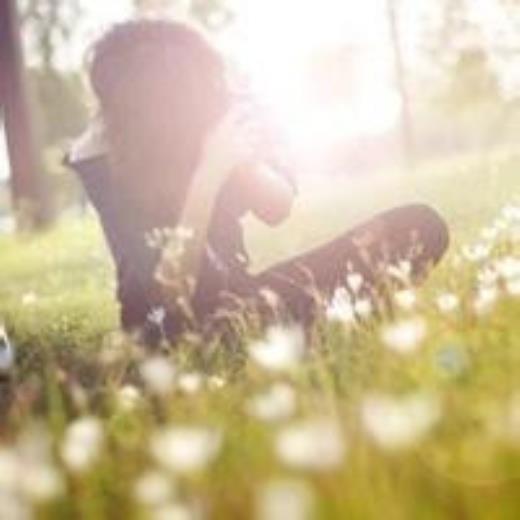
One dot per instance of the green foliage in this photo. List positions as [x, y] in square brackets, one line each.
[60, 104]
[472, 85]
[51, 24]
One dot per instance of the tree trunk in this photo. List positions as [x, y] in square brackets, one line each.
[29, 197]
[407, 130]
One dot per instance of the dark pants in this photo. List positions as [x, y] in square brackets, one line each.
[414, 233]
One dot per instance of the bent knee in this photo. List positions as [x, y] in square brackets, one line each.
[431, 228]
[425, 224]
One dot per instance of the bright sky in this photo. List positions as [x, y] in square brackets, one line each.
[273, 38]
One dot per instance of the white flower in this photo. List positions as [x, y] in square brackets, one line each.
[340, 308]
[153, 488]
[7, 356]
[82, 444]
[315, 444]
[476, 253]
[216, 382]
[405, 299]
[285, 500]
[157, 315]
[485, 299]
[277, 404]
[447, 302]
[185, 449]
[282, 349]
[501, 224]
[29, 298]
[405, 337]
[513, 287]
[363, 308]
[402, 271]
[41, 482]
[174, 511]
[395, 423]
[511, 213]
[355, 282]
[128, 398]
[158, 374]
[508, 268]
[190, 382]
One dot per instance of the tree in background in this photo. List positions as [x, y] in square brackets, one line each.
[59, 94]
[407, 125]
[29, 196]
[213, 14]
[459, 86]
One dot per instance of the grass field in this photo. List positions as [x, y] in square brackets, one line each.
[414, 417]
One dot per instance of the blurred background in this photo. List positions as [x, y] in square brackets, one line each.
[359, 87]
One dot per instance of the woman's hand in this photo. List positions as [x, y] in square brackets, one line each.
[231, 144]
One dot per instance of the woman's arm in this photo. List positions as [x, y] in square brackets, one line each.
[267, 194]
[227, 148]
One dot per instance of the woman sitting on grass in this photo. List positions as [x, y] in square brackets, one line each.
[175, 151]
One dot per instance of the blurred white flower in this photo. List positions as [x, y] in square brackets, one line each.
[276, 404]
[41, 482]
[285, 500]
[511, 213]
[508, 268]
[154, 488]
[501, 224]
[363, 308]
[395, 423]
[490, 234]
[174, 511]
[158, 374]
[128, 398]
[485, 299]
[7, 355]
[82, 443]
[29, 298]
[340, 307]
[270, 297]
[190, 382]
[487, 277]
[313, 444]
[157, 315]
[355, 282]
[216, 382]
[405, 336]
[405, 299]
[476, 253]
[448, 302]
[513, 287]
[400, 271]
[282, 349]
[185, 449]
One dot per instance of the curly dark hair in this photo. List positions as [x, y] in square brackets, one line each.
[161, 86]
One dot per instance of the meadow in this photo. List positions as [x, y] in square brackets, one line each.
[413, 416]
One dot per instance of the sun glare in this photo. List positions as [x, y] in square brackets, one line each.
[322, 65]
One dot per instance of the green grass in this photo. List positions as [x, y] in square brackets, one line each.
[57, 305]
